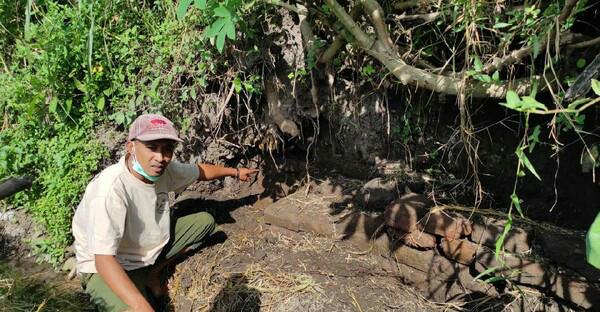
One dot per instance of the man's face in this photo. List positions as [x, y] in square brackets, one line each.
[153, 156]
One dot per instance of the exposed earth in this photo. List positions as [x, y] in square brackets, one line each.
[252, 266]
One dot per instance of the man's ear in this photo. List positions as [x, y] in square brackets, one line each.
[129, 146]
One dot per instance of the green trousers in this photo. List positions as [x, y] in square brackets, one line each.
[188, 232]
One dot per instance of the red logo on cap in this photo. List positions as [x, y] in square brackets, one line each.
[158, 122]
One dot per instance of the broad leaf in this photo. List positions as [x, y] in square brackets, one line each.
[229, 29]
[222, 11]
[512, 99]
[182, 8]
[220, 41]
[53, 105]
[528, 103]
[596, 86]
[100, 103]
[215, 28]
[200, 4]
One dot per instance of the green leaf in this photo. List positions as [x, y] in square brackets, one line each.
[53, 105]
[200, 4]
[536, 47]
[502, 25]
[525, 161]
[119, 118]
[222, 11]
[500, 241]
[68, 105]
[215, 28]
[580, 63]
[100, 103]
[80, 86]
[577, 103]
[496, 76]
[494, 279]
[528, 102]
[237, 84]
[517, 203]
[512, 99]
[220, 41]
[534, 138]
[487, 271]
[596, 86]
[477, 63]
[229, 29]
[182, 8]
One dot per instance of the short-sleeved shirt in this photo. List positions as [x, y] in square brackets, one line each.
[123, 216]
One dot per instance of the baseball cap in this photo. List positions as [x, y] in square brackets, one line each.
[150, 127]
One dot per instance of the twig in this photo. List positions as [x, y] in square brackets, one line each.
[584, 44]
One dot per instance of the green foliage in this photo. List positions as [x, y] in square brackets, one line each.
[523, 104]
[84, 66]
[224, 16]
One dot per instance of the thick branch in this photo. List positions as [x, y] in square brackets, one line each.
[339, 40]
[361, 37]
[410, 75]
[377, 16]
[517, 55]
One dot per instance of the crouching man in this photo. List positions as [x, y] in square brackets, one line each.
[122, 227]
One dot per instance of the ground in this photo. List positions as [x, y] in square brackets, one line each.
[258, 267]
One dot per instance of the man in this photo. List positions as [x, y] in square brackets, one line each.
[122, 226]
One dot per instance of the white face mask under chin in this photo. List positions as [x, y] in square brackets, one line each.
[137, 167]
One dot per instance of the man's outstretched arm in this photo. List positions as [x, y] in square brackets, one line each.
[115, 277]
[210, 172]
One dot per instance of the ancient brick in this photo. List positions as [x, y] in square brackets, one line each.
[461, 251]
[416, 239]
[378, 193]
[405, 213]
[489, 230]
[319, 224]
[284, 214]
[450, 226]
[420, 260]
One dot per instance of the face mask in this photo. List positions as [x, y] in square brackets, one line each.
[138, 168]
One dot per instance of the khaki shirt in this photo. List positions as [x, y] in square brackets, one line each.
[123, 216]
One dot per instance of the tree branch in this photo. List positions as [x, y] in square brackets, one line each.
[584, 44]
[517, 55]
[361, 37]
[376, 14]
[426, 18]
[410, 75]
[339, 40]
